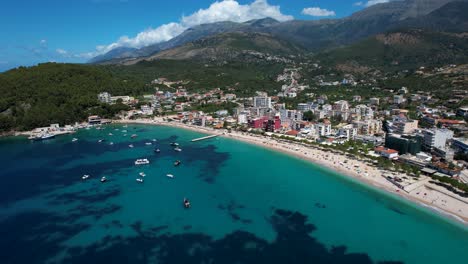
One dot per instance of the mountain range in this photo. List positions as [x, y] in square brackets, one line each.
[227, 39]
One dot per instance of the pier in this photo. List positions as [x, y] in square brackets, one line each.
[203, 138]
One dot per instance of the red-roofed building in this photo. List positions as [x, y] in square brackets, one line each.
[292, 133]
[386, 152]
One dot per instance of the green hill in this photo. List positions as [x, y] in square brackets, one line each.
[57, 93]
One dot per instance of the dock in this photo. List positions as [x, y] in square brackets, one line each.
[203, 138]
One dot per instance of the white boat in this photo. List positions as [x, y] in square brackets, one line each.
[124, 131]
[174, 144]
[125, 126]
[43, 137]
[101, 140]
[142, 174]
[103, 179]
[139, 180]
[130, 146]
[178, 149]
[110, 134]
[170, 175]
[112, 143]
[86, 176]
[148, 143]
[141, 161]
[134, 136]
[125, 135]
[74, 139]
[154, 140]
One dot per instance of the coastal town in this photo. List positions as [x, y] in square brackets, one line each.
[402, 142]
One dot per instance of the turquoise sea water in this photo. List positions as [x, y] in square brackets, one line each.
[249, 205]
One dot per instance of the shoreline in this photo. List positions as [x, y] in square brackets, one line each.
[354, 170]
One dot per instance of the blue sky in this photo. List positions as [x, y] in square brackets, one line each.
[35, 31]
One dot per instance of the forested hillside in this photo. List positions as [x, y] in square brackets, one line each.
[58, 93]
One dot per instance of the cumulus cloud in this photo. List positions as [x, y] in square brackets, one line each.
[225, 10]
[360, 3]
[317, 12]
[61, 52]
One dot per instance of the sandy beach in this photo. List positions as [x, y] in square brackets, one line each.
[420, 191]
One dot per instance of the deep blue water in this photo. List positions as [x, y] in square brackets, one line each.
[249, 205]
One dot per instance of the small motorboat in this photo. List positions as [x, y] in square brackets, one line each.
[157, 150]
[103, 179]
[141, 161]
[101, 140]
[142, 174]
[139, 180]
[125, 126]
[174, 144]
[86, 176]
[170, 175]
[112, 143]
[178, 149]
[110, 134]
[186, 203]
[125, 135]
[134, 136]
[124, 131]
[74, 139]
[154, 140]
[177, 163]
[130, 146]
[148, 143]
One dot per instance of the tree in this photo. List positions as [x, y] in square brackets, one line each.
[309, 116]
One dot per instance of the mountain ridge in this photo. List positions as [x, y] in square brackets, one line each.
[316, 35]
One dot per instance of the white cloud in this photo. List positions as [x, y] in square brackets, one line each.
[374, 2]
[360, 3]
[317, 12]
[62, 52]
[43, 42]
[225, 10]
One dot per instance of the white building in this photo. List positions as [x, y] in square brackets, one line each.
[398, 99]
[323, 129]
[374, 101]
[105, 97]
[262, 102]
[303, 107]
[290, 114]
[436, 138]
[146, 110]
[242, 119]
[341, 106]
[349, 132]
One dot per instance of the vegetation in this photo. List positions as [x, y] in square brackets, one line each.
[59, 93]
[451, 183]
[246, 78]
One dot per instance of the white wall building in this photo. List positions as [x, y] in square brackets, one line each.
[105, 97]
[436, 138]
[262, 101]
[323, 129]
